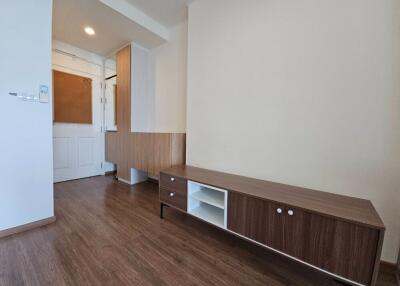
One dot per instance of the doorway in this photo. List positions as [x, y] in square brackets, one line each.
[78, 138]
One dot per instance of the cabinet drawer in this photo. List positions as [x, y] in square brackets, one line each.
[175, 198]
[173, 183]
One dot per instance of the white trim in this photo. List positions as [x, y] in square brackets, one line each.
[73, 56]
[63, 68]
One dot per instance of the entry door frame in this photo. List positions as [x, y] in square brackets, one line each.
[76, 139]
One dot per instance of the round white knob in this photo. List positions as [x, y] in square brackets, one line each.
[279, 210]
[171, 194]
[290, 212]
[172, 179]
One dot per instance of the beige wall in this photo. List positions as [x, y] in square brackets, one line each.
[159, 85]
[302, 92]
[170, 82]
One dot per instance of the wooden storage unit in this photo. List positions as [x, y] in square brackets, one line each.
[149, 152]
[339, 235]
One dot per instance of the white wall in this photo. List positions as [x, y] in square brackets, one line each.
[159, 85]
[302, 92]
[26, 175]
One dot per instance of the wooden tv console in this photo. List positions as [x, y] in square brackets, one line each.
[339, 235]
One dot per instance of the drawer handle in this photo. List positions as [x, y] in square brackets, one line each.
[172, 179]
[290, 212]
[279, 210]
[171, 194]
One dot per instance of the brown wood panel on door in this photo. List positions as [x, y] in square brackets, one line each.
[72, 98]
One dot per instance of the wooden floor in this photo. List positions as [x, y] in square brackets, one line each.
[107, 233]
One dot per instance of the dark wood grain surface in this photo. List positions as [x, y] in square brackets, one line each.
[256, 219]
[173, 183]
[345, 208]
[339, 247]
[175, 198]
[108, 233]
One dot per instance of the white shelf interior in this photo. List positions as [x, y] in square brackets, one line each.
[211, 197]
[208, 203]
[210, 214]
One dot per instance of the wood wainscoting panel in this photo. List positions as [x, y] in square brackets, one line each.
[178, 149]
[140, 147]
[153, 152]
[160, 155]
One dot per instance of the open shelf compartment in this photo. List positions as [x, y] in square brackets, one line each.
[208, 203]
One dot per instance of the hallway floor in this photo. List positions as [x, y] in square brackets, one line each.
[108, 233]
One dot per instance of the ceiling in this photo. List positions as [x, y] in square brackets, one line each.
[167, 12]
[113, 29]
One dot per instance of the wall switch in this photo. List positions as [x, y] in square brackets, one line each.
[44, 94]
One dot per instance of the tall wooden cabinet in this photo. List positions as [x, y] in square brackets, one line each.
[339, 235]
[148, 152]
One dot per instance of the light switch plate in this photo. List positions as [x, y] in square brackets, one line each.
[44, 94]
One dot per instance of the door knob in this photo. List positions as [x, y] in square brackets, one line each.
[171, 194]
[290, 212]
[172, 179]
[279, 210]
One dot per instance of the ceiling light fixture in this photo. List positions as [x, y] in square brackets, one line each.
[90, 31]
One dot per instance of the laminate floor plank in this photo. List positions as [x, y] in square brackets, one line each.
[108, 233]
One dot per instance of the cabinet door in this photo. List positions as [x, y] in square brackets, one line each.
[256, 219]
[342, 248]
[296, 229]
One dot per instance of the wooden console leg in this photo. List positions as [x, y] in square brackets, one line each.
[161, 210]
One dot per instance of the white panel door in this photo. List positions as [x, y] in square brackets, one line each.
[79, 148]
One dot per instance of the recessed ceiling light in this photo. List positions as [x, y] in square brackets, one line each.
[90, 31]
